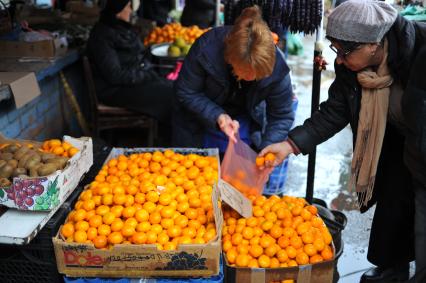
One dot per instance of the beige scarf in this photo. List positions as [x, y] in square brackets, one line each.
[371, 127]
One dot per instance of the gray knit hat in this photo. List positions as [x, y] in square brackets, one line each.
[363, 21]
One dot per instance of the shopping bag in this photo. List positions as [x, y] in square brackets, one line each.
[239, 169]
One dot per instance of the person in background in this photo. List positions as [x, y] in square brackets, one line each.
[380, 91]
[199, 12]
[232, 76]
[123, 77]
[155, 10]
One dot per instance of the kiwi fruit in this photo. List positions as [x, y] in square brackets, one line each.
[25, 158]
[6, 156]
[19, 171]
[6, 171]
[33, 171]
[13, 163]
[20, 152]
[47, 156]
[12, 148]
[34, 159]
[59, 161]
[45, 169]
[31, 163]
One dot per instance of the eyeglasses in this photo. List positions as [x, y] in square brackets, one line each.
[341, 53]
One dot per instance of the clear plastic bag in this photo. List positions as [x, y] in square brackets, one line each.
[239, 169]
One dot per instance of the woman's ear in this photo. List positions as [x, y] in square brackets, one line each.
[372, 48]
[376, 46]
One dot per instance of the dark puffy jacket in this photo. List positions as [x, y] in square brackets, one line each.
[203, 86]
[414, 110]
[117, 56]
[198, 12]
[343, 104]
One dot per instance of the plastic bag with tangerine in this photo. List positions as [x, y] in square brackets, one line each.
[239, 169]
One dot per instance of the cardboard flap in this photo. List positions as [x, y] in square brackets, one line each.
[24, 86]
[218, 216]
[235, 199]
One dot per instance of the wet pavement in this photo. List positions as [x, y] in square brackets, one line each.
[332, 167]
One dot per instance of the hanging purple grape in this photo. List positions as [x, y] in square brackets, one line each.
[297, 15]
[286, 13]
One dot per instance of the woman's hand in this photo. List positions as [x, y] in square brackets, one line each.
[280, 150]
[228, 126]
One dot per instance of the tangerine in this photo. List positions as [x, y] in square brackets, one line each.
[67, 230]
[264, 261]
[100, 241]
[115, 238]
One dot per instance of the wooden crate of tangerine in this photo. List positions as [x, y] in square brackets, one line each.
[284, 240]
[149, 212]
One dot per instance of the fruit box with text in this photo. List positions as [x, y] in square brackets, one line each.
[318, 272]
[130, 260]
[321, 271]
[48, 192]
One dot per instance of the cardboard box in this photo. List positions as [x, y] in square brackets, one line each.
[43, 48]
[319, 272]
[24, 86]
[51, 191]
[77, 260]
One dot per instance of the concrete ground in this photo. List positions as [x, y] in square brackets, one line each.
[332, 167]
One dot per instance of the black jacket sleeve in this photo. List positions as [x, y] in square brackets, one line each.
[331, 118]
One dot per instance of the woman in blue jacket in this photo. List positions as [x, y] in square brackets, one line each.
[232, 76]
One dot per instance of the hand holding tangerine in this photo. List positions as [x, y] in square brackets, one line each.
[260, 161]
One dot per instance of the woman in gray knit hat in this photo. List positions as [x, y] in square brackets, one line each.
[380, 90]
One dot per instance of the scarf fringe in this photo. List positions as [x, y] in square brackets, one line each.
[365, 193]
[358, 162]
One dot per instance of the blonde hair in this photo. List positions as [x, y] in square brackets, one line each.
[250, 43]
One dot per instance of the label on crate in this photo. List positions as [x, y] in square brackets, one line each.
[235, 199]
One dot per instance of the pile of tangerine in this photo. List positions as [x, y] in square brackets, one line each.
[283, 232]
[161, 198]
[169, 32]
[59, 148]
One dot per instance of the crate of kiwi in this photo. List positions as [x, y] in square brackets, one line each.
[39, 176]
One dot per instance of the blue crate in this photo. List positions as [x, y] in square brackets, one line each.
[214, 279]
[276, 182]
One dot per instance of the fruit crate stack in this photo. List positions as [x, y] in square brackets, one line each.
[35, 261]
